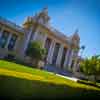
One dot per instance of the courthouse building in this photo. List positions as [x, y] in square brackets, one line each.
[62, 51]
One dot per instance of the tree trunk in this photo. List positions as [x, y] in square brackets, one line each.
[36, 63]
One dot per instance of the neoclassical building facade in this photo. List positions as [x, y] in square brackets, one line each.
[62, 51]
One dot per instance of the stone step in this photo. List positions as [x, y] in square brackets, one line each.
[56, 70]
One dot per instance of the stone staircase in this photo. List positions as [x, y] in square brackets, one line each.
[56, 70]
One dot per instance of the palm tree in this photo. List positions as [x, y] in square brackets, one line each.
[91, 66]
[95, 60]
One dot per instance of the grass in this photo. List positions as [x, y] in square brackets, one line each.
[87, 82]
[22, 82]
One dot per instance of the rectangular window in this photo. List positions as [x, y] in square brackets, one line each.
[55, 54]
[0, 29]
[63, 57]
[3, 39]
[12, 42]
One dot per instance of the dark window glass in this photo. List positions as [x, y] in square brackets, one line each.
[0, 28]
[55, 54]
[72, 64]
[12, 42]
[63, 57]
[3, 39]
[47, 44]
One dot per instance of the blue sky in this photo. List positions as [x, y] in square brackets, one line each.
[66, 16]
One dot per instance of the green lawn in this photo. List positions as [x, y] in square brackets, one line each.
[22, 82]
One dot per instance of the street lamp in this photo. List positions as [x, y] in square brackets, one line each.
[82, 47]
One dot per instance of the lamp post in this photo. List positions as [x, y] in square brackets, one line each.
[82, 47]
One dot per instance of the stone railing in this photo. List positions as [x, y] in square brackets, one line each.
[57, 32]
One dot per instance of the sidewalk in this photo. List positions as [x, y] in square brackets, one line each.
[70, 78]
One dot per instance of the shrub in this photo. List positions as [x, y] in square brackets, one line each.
[36, 51]
[91, 66]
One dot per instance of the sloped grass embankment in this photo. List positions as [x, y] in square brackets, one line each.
[21, 82]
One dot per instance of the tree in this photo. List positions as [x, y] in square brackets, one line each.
[36, 52]
[85, 66]
[95, 61]
[91, 66]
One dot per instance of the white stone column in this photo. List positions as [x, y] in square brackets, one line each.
[70, 60]
[51, 51]
[27, 39]
[59, 57]
[8, 40]
[17, 43]
[35, 35]
[44, 39]
[66, 58]
[75, 67]
[75, 64]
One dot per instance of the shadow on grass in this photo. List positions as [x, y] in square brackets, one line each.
[89, 83]
[12, 88]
